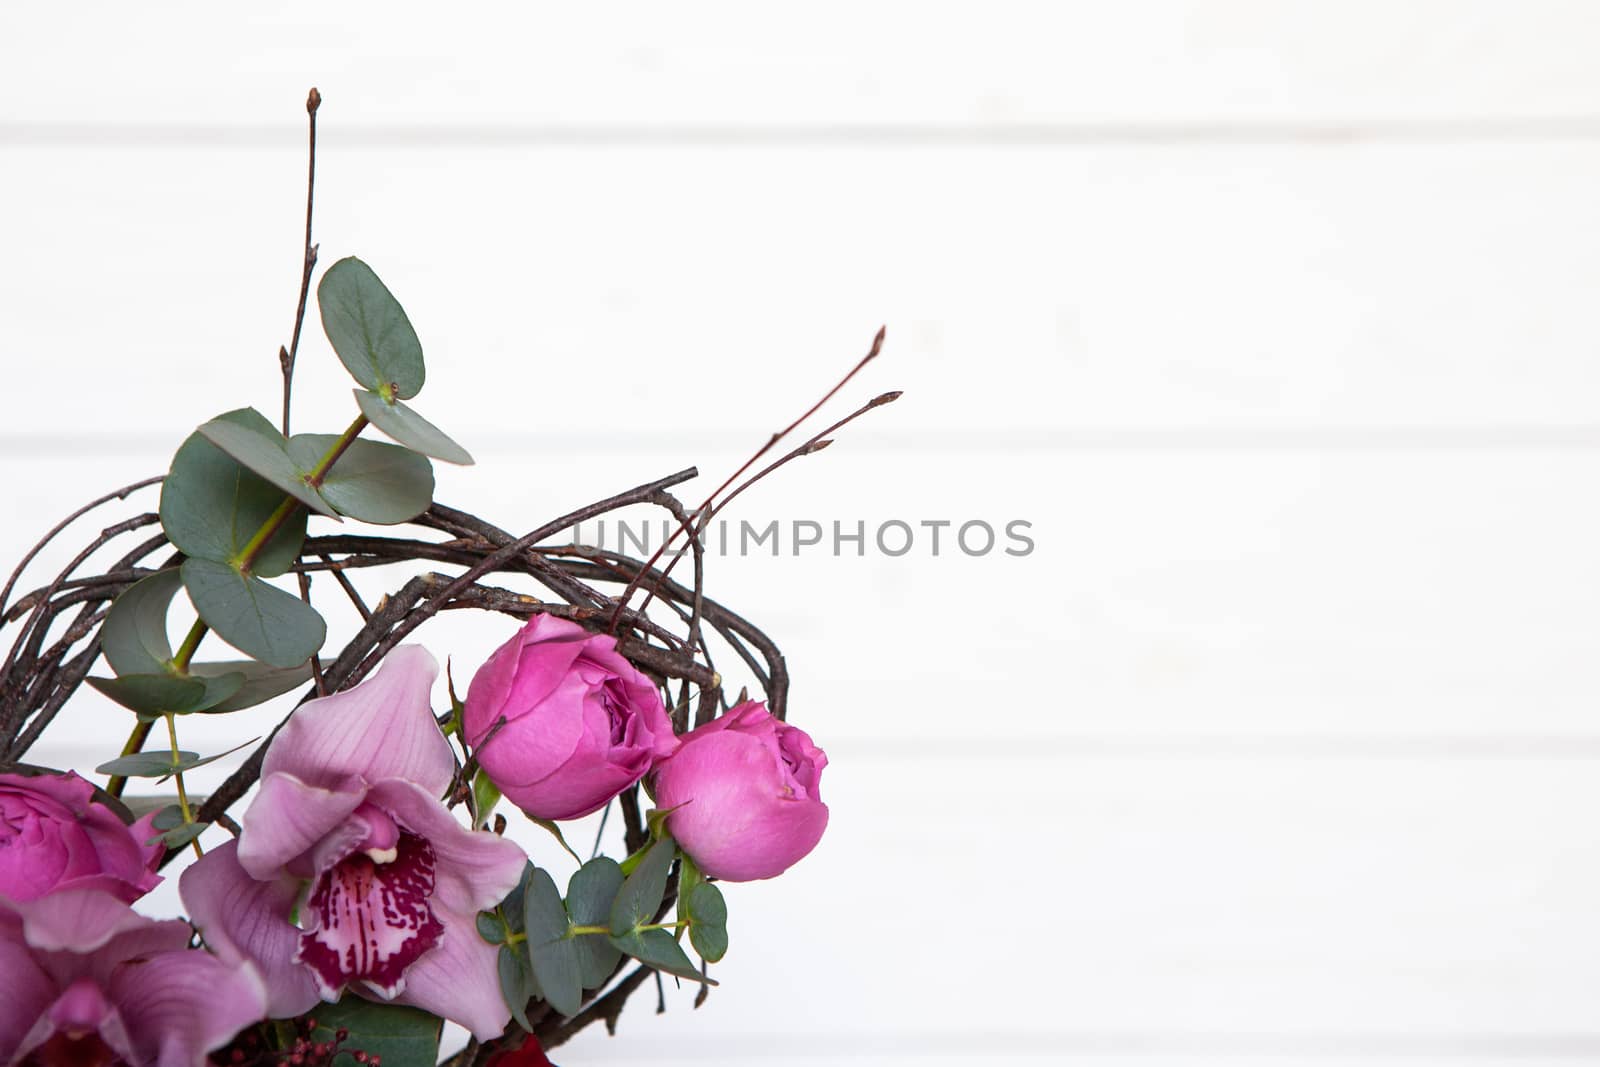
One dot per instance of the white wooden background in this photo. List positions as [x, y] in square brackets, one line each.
[1276, 319]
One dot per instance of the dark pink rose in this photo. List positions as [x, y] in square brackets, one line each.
[53, 836]
[743, 792]
[581, 724]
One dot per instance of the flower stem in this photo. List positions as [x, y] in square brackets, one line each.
[246, 560]
[141, 730]
[191, 642]
[183, 794]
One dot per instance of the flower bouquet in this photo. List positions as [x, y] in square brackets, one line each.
[355, 883]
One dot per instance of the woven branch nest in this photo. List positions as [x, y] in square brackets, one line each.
[56, 638]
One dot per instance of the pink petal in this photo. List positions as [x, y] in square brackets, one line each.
[513, 680]
[368, 922]
[25, 989]
[81, 1010]
[382, 728]
[735, 812]
[459, 980]
[79, 920]
[538, 738]
[474, 870]
[181, 1005]
[288, 817]
[245, 919]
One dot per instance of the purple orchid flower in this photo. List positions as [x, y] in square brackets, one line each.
[348, 825]
[87, 982]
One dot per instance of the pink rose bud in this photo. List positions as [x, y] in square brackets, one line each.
[53, 836]
[743, 792]
[581, 723]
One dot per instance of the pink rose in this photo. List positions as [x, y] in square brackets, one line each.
[744, 795]
[581, 724]
[53, 836]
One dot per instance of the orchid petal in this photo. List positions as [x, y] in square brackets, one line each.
[245, 919]
[473, 870]
[160, 996]
[79, 920]
[382, 728]
[25, 989]
[288, 817]
[459, 980]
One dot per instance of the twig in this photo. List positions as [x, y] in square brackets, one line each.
[287, 357]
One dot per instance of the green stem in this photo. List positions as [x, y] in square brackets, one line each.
[319, 473]
[191, 642]
[183, 794]
[246, 560]
[606, 930]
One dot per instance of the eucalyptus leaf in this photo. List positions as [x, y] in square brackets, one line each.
[410, 429]
[156, 694]
[551, 946]
[249, 438]
[590, 893]
[369, 330]
[371, 481]
[152, 694]
[147, 764]
[258, 619]
[182, 835]
[211, 507]
[261, 681]
[640, 896]
[168, 818]
[161, 764]
[491, 928]
[134, 633]
[659, 949]
[400, 1036]
[517, 984]
[708, 922]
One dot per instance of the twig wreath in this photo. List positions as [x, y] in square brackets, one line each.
[367, 893]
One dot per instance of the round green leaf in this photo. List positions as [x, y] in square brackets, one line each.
[551, 947]
[258, 619]
[261, 682]
[640, 896]
[147, 764]
[659, 949]
[211, 507]
[517, 984]
[248, 437]
[490, 928]
[157, 694]
[161, 764]
[373, 482]
[410, 429]
[589, 896]
[134, 634]
[398, 1035]
[708, 922]
[369, 330]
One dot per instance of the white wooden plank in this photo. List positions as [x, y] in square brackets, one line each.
[840, 62]
[1038, 293]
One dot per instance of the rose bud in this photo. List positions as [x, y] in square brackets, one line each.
[53, 836]
[581, 723]
[743, 792]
